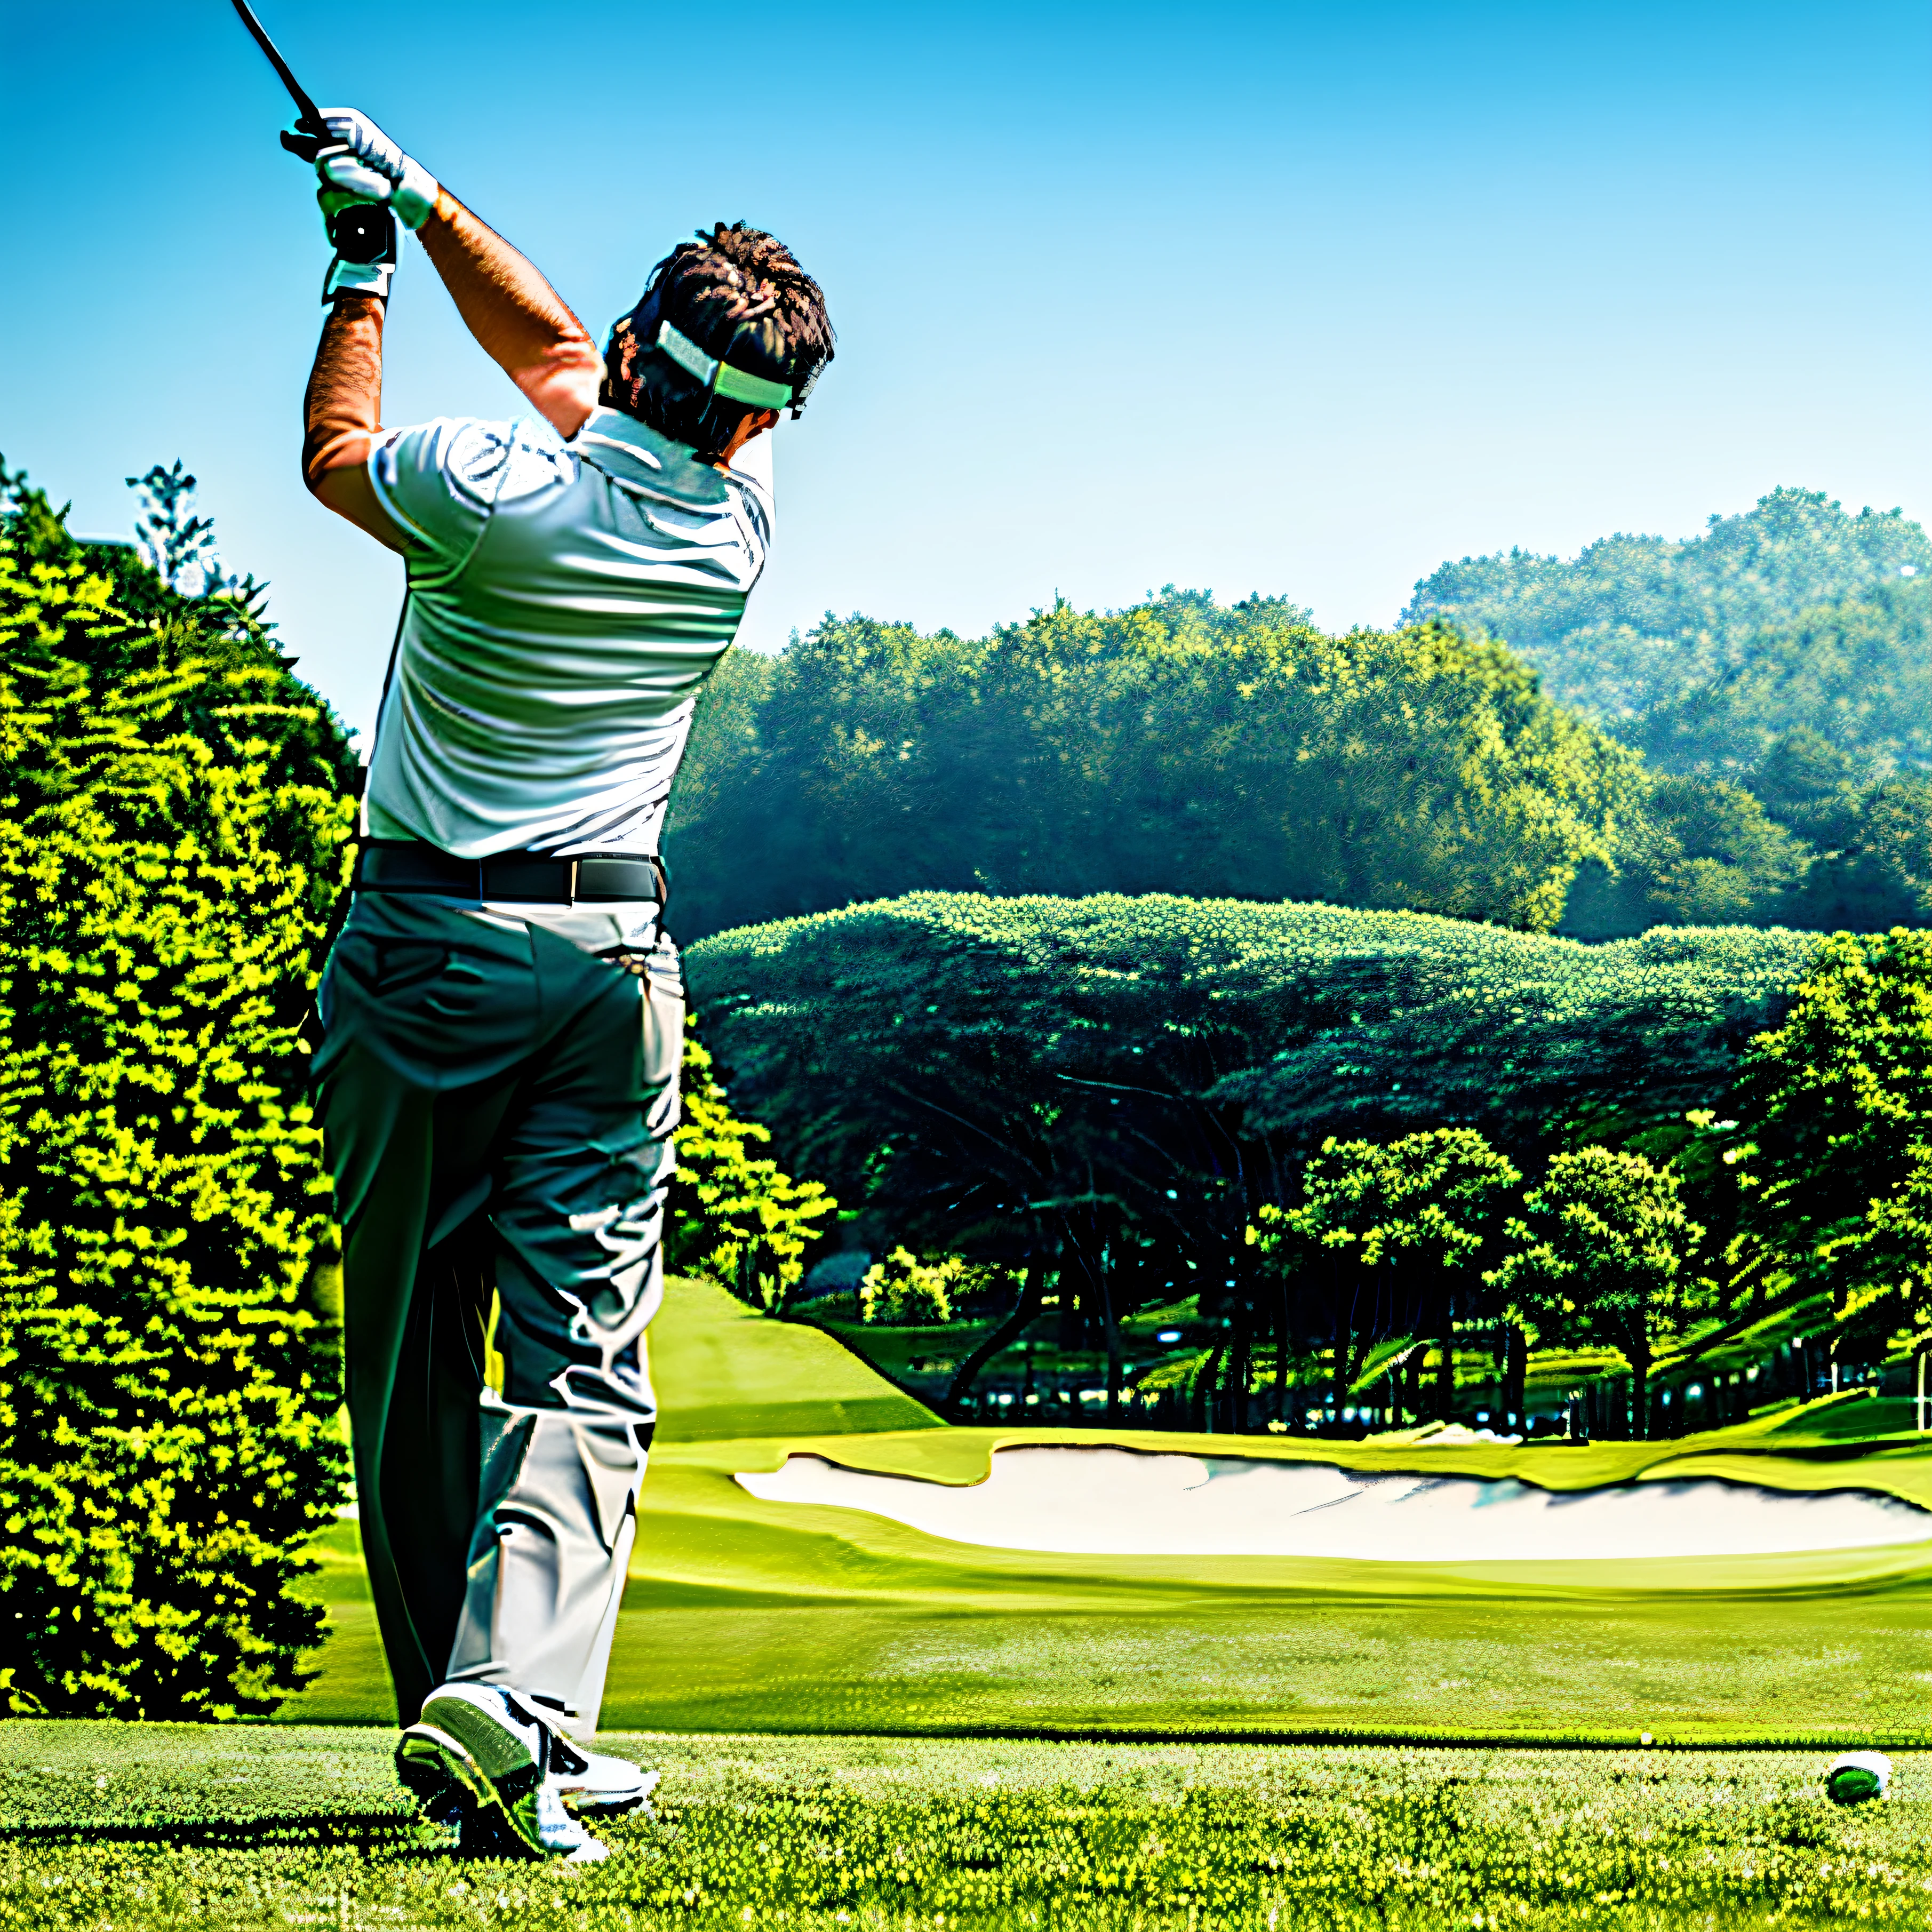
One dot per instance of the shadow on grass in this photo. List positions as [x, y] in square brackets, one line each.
[396, 1837]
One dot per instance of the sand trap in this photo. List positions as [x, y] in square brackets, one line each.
[1115, 1502]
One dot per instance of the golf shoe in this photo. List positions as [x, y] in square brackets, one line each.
[479, 1758]
[595, 1785]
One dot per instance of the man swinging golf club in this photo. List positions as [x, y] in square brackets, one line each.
[503, 1014]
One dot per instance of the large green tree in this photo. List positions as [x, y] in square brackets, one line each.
[1389, 1232]
[1599, 1255]
[1833, 1144]
[172, 828]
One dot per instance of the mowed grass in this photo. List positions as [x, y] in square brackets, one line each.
[745, 1616]
[149, 1826]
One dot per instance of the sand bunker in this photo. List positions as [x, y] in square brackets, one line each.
[1115, 1502]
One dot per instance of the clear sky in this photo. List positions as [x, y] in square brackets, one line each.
[1290, 298]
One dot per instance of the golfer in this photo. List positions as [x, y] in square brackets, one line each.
[502, 1014]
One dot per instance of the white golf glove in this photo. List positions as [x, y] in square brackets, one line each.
[375, 168]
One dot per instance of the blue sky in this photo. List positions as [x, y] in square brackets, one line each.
[1295, 299]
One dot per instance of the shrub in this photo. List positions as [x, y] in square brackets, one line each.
[902, 1290]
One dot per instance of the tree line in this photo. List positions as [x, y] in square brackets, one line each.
[1176, 747]
[1185, 747]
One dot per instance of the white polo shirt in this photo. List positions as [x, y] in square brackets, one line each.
[565, 601]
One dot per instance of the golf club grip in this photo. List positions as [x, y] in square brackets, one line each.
[309, 113]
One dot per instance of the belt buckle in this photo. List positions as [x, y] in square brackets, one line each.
[523, 879]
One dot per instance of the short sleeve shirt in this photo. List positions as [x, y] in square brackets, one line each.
[565, 602]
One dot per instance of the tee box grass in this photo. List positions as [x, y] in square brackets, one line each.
[747, 1616]
[146, 1828]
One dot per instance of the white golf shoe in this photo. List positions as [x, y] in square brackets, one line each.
[479, 1758]
[595, 1785]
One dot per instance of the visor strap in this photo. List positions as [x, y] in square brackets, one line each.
[737, 386]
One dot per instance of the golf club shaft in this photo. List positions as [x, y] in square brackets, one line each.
[309, 117]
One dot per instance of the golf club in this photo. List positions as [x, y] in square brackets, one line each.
[358, 230]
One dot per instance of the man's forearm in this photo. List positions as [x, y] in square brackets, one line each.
[520, 321]
[342, 413]
[343, 407]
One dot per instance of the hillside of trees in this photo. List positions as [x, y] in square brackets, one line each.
[1635, 621]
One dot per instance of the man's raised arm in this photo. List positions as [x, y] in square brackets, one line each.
[518, 318]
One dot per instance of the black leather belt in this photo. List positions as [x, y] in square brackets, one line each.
[395, 865]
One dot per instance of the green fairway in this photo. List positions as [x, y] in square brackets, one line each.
[746, 1615]
[151, 1826]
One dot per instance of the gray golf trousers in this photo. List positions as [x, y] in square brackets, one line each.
[497, 1107]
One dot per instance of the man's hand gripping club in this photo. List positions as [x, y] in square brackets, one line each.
[368, 184]
[361, 160]
[514, 314]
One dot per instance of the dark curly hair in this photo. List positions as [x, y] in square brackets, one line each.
[740, 294]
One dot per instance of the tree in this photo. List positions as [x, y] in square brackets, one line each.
[1698, 852]
[173, 833]
[734, 1215]
[1177, 746]
[1599, 1256]
[1417, 1214]
[1834, 1133]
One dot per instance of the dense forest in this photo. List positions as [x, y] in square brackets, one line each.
[1176, 747]
[1496, 758]
[1635, 622]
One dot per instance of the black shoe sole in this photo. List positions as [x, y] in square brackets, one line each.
[424, 1774]
[453, 1790]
